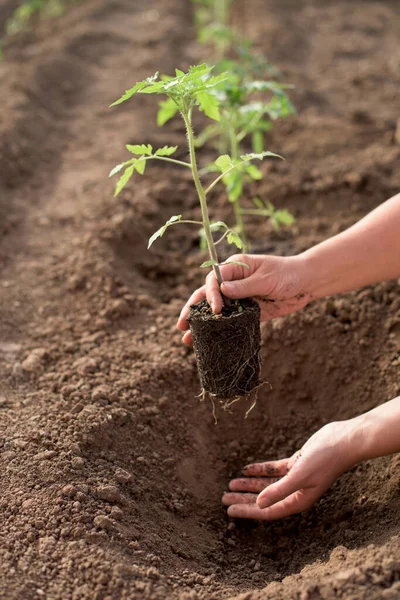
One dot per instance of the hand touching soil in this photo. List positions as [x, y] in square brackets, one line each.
[277, 489]
[277, 284]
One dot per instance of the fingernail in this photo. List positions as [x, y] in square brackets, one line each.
[213, 306]
[228, 287]
[261, 503]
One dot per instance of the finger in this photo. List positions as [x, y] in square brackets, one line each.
[280, 490]
[197, 295]
[213, 293]
[292, 505]
[187, 339]
[274, 468]
[247, 511]
[235, 498]
[232, 272]
[251, 484]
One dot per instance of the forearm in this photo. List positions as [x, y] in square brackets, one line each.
[376, 433]
[364, 254]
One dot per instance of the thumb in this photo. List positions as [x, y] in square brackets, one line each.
[242, 288]
[279, 491]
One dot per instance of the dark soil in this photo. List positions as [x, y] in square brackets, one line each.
[112, 470]
[227, 348]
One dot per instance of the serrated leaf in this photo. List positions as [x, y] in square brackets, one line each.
[124, 179]
[260, 155]
[160, 232]
[166, 151]
[136, 88]
[140, 166]
[146, 149]
[208, 104]
[237, 262]
[234, 238]
[168, 109]
[208, 263]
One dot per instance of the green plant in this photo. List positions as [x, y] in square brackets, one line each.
[184, 92]
[22, 16]
[212, 21]
[242, 119]
[249, 104]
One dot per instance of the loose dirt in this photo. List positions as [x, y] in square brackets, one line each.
[112, 470]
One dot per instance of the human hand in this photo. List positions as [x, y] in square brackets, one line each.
[277, 489]
[278, 284]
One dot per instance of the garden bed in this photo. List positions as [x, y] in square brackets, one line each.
[112, 470]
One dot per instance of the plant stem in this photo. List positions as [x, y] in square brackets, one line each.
[171, 160]
[234, 143]
[202, 197]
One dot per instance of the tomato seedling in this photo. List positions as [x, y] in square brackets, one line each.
[184, 92]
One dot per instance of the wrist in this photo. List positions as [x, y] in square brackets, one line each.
[360, 435]
[320, 277]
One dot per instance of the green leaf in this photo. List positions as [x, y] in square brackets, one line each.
[166, 151]
[234, 185]
[282, 217]
[224, 163]
[234, 238]
[259, 155]
[209, 104]
[124, 179]
[254, 172]
[280, 107]
[136, 88]
[160, 232]
[237, 262]
[168, 109]
[116, 169]
[146, 149]
[259, 203]
[140, 166]
[217, 225]
[208, 263]
[264, 86]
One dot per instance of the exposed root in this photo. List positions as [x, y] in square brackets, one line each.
[226, 404]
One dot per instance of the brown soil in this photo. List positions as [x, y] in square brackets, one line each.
[112, 470]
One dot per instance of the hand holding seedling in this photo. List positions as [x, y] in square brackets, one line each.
[275, 282]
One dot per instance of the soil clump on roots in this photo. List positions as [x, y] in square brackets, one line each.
[112, 470]
[227, 348]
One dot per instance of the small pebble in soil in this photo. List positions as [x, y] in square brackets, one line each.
[103, 522]
[123, 476]
[108, 493]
